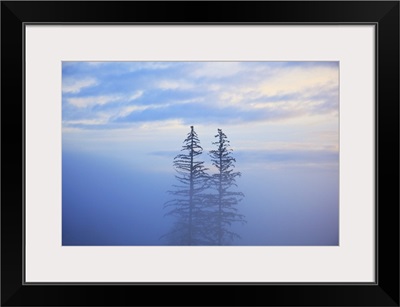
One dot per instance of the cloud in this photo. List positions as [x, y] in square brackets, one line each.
[216, 69]
[208, 93]
[92, 121]
[75, 86]
[125, 111]
[136, 95]
[129, 66]
[83, 102]
[135, 66]
[301, 79]
[291, 92]
[187, 112]
[175, 85]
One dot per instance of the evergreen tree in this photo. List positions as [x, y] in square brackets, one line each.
[223, 199]
[188, 205]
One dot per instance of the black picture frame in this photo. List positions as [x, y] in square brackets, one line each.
[383, 14]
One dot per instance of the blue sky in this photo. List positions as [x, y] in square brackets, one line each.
[281, 118]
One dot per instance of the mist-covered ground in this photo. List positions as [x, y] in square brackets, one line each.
[107, 203]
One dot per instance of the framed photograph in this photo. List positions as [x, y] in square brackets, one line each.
[241, 147]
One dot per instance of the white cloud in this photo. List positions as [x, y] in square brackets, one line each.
[301, 105]
[75, 86]
[136, 66]
[95, 121]
[301, 80]
[305, 89]
[125, 111]
[239, 96]
[214, 87]
[83, 102]
[93, 100]
[136, 95]
[135, 108]
[217, 69]
[162, 125]
[175, 85]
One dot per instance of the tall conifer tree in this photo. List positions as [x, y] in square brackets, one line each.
[223, 199]
[188, 205]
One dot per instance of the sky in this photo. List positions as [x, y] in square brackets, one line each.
[124, 122]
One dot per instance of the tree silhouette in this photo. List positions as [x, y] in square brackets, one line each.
[223, 200]
[188, 205]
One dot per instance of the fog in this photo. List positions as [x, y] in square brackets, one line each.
[106, 202]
